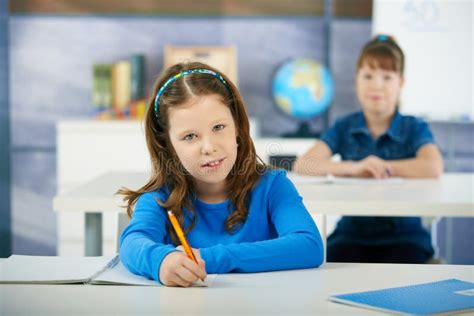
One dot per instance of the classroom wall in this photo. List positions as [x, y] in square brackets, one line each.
[50, 73]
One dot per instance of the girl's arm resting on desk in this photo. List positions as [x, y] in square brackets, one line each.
[295, 251]
[140, 249]
[297, 246]
[428, 163]
[317, 162]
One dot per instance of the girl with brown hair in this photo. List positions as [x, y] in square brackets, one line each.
[377, 142]
[238, 215]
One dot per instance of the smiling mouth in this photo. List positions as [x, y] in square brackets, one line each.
[375, 98]
[213, 164]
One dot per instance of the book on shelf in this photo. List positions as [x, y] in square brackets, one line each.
[121, 85]
[118, 89]
[137, 63]
[102, 86]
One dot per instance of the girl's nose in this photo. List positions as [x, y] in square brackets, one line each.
[207, 146]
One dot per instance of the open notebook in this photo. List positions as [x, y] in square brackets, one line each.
[69, 270]
[446, 296]
[330, 179]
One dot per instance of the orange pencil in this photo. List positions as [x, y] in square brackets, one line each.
[184, 242]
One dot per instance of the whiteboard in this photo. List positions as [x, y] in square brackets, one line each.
[437, 38]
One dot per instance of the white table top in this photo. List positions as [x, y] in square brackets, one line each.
[451, 195]
[294, 292]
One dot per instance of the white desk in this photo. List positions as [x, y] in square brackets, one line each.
[451, 196]
[297, 292]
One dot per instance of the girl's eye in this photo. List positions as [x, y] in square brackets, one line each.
[387, 77]
[189, 137]
[219, 127]
[367, 76]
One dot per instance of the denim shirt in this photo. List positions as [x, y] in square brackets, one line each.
[351, 138]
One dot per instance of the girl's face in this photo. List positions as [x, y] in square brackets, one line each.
[378, 90]
[203, 134]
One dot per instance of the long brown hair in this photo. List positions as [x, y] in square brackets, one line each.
[384, 52]
[167, 170]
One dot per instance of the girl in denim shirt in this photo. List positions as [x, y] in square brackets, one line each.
[377, 142]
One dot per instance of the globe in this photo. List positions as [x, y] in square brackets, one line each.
[303, 88]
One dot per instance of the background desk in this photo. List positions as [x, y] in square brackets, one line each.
[451, 195]
[297, 292]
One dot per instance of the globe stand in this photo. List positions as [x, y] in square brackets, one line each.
[303, 131]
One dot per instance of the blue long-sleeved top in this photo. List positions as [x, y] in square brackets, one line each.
[278, 234]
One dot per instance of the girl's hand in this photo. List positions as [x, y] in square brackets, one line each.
[196, 252]
[372, 166]
[178, 270]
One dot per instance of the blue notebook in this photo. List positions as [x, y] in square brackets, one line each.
[428, 298]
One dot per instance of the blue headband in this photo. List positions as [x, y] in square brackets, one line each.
[183, 74]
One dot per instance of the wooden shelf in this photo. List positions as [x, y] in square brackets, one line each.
[166, 7]
[352, 8]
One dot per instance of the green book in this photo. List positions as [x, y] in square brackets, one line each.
[137, 77]
[96, 86]
[106, 86]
